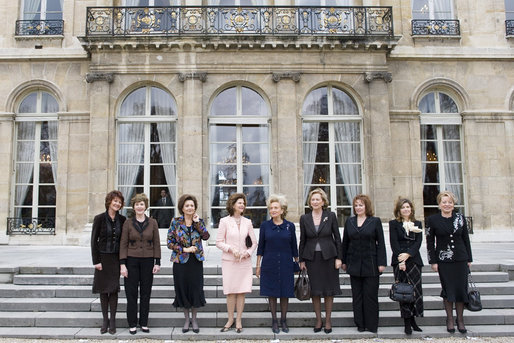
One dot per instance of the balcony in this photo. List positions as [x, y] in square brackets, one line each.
[435, 27]
[210, 21]
[39, 27]
[31, 226]
[509, 28]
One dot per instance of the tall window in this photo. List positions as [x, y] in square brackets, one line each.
[432, 9]
[147, 147]
[441, 150]
[42, 9]
[36, 157]
[239, 152]
[509, 9]
[332, 148]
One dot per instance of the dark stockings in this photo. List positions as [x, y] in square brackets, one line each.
[459, 307]
[448, 307]
[109, 300]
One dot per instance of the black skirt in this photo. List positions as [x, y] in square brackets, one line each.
[188, 281]
[107, 280]
[323, 276]
[454, 281]
[412, 274]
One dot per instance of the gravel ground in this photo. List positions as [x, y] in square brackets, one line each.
[372, 340]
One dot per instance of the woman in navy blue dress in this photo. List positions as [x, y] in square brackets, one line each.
[277, 249]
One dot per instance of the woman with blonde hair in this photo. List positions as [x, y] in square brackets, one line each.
[237, 241]
[320, 253]
[278, 252]
[449, 254]
[405, 236]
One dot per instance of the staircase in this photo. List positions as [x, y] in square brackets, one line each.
[54, 302]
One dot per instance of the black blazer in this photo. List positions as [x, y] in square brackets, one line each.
[447, 239]
[364, 247]
[104, 240]
[401, 243]
[328, 237]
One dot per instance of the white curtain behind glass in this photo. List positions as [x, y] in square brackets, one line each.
[453, 171]
[52, 136]
[442, 9]
[348, 153]
[424, 143]
[31, 9]
[25, 152]
[310, 134]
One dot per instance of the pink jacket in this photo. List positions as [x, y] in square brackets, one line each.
[230, 237]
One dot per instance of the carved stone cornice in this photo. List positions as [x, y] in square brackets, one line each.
[202, 76]
[295, 76]
[92, 77]
[385, 75]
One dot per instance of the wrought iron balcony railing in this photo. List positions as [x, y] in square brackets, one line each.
[242, 21]
[509, 27]
[31, 226]
[435, 27]
[39, 27]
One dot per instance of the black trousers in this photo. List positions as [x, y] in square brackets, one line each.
[365, 301]
[140, 277]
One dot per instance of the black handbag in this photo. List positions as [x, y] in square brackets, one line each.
[248, 241]
[474, 302]
[302, 287]
[402, 291]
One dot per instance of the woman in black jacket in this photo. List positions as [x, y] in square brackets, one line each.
[364, 258]
[105, 247]
[405, 236]
[320, 253]
[449, 254]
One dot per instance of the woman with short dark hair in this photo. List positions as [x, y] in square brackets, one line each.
[105, 248]
[236, 262]
[185, 237]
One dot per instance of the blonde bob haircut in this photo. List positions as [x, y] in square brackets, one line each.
[282, 202]
[323, 197]
[448, 194]
[138, 198]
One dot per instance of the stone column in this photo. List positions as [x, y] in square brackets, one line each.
[377, 138]
[189, 150]
[101, 133]
[286, 143]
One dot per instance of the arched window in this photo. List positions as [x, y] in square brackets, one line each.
[332, 148]
[441, 150]
[35, 167]
[239, 152]
[147, 149]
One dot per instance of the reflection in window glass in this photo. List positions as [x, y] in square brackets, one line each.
[332, 149]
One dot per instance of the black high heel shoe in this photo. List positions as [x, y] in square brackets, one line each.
[274, 326]
[415, 326]
[463, 330]
[407, 325]
[450, 330]
[317, 329]
[285, 328]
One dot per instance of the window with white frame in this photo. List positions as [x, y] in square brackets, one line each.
[432, 9]
[332, 148]
[42, 9]
[441, 150]
[239, 152]
[146, 156]
[509, 9]
[35, 167]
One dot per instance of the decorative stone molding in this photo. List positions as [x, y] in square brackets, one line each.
[92, 77]
[295, 76]
[202, 76]
[386, 76]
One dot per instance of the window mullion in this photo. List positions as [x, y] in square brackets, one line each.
[146, 165]
[332, 166]
[43, 9]
[440, 160]
[35, 178]
[239, 158]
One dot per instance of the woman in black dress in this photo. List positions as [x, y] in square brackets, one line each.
[364, 258]
[105, 248]
[405, 236]
[449, 254]
[185, 240]
[320, 252]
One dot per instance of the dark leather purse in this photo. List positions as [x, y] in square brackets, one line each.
[402, 291]
[248, 241]
[302, 287]
[474, 303]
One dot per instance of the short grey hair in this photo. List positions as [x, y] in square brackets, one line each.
[281, 199]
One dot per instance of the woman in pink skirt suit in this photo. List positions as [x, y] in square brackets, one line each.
[236, 262]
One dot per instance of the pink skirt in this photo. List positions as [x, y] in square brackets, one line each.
[237, 276]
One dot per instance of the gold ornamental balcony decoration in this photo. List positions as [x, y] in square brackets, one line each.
[356, 22]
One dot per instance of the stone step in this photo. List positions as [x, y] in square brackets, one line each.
[219, 304]
[298, 333]
[250, 319]
[216, 280]
[159, 291]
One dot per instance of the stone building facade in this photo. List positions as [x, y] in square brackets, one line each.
[388, 98]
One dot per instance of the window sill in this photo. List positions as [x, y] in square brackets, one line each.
[436, 37]
[39, 37]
